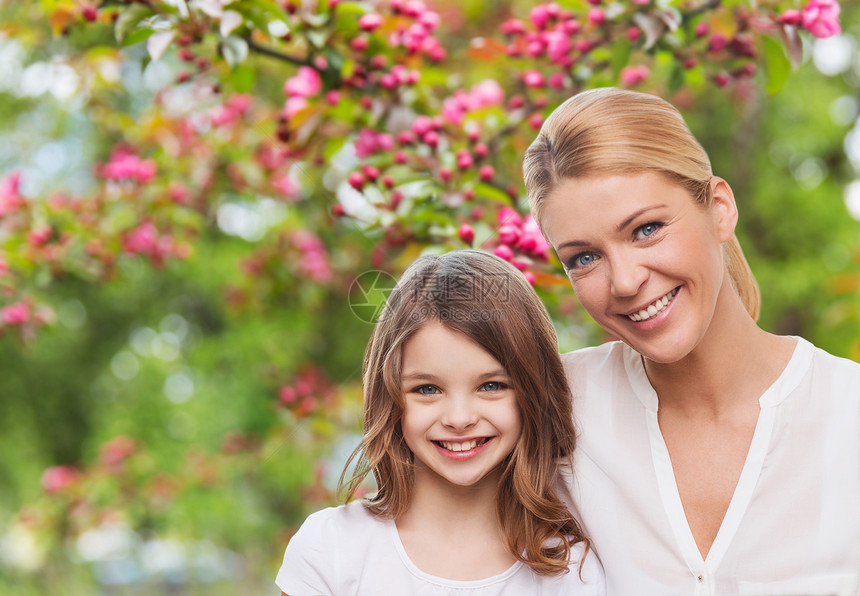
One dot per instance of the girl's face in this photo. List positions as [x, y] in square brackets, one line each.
[461, 418]
[644, 259]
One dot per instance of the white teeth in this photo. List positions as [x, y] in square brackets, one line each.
[464, 446]
[653, 309]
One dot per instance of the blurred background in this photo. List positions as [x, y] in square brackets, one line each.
[190, 192]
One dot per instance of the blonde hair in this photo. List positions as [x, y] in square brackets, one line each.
[490, 302]
[614, 131]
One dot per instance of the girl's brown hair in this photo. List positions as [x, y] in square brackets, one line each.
[490, 302]
[612, 131]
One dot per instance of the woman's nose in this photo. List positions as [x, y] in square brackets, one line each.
[627, 276]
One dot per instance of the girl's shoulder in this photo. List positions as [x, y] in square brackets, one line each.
[587, 571]
[325, 525]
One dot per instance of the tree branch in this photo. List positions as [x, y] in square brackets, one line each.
[266, 51]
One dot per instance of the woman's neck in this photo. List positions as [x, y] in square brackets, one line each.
[735, 362]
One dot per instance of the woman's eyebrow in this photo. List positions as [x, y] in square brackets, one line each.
[636, 214]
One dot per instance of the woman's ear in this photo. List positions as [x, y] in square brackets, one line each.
[724, 208]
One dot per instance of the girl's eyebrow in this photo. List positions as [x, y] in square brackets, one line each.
[421, 376]
[418, 376]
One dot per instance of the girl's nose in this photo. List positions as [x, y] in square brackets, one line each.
[460, 412]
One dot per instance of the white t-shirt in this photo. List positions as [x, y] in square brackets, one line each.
[793, 524]
[346, 551]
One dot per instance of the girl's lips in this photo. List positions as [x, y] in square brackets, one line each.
[462, 455]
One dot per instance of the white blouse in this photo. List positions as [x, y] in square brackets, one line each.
[793, 524]
[346, 551]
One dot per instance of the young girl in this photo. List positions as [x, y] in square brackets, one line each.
[466, 418]
[715, 458]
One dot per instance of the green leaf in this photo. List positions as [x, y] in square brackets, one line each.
[129, 19]
[242, 78]
[492, 193]
[776, 65]
[620, 56]
[137, 36]
[677, 78]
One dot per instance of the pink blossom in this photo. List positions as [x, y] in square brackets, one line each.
[40, 235]
[145, 240]
[306, 83]
[641, 2]
[116, 451]
[531, 233]
[791, 17]
[509, 234]
[821, 18]
[293, 106]
[287, 394]
[539, 15]
[430, 20]
[530, 277]
[370, 22]
[503, 251]
[466, 233]
[558, 45]
[487, 93]
[717, 43]
[701, 29]
[512, 27]
[486, 173]
[10, 199]
[241, 102]
[356, 180]
[596, 16]
[4, 266]
[287, 186]
[422, 125]
[633, 75]
[56, 478]
[124, 164]
[314, 261]
[464, 159]
[533, 78]
[508, 215]
[15, 314]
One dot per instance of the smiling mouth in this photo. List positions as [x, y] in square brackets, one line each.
[653, 308]
[462, 446]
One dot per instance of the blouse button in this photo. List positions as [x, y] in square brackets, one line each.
[701, 578]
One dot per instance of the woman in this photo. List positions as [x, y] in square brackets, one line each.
[714, 457]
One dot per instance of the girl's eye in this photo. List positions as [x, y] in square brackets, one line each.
[583, 259]
[426, 390]
[647, 230]
[493, 386]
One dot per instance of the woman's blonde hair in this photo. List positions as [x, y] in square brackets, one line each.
[613, 131]
[490, 302]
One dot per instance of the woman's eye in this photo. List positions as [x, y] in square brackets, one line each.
[426, 390]
[583, 259]
[647, 230]
[493, 386]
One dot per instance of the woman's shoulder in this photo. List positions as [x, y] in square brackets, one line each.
[596, 362]
[608, 350]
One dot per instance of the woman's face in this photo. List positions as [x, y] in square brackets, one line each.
[644, 259]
